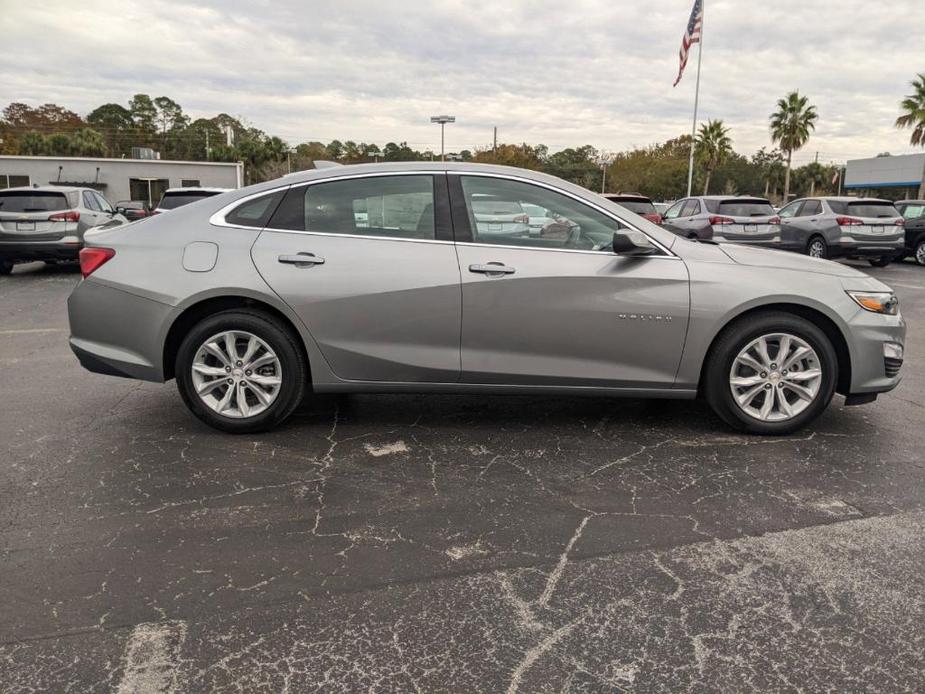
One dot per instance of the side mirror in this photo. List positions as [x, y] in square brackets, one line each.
[632, 243]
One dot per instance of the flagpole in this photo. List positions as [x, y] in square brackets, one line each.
[690, 163]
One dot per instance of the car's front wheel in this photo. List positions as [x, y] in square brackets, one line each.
[241, 371]
[920, 252]
[771, 373]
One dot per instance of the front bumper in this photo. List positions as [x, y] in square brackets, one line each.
[873, 341]
[118, 333]
[66, 248]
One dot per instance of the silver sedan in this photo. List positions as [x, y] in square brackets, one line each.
[257, 296]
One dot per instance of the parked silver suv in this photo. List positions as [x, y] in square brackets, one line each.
[254, 297]
[49, 222]
[827, 227]
[736, 219]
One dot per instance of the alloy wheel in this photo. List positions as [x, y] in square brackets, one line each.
[817, 249]
[236, 374]
[920, 254]
[775, 377]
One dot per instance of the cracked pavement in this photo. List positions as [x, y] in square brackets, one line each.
[449, 543]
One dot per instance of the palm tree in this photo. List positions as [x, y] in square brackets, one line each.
[713, 146]
[790, 126]
[914, 112]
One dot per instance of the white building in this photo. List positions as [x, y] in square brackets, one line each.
[903, 175]
[119, 179]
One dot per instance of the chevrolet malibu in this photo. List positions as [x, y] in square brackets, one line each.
[255, 297]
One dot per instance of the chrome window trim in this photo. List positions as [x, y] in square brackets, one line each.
[218, 218]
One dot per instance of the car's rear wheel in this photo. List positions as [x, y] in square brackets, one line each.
[920, 252]
[6, 267]
[771, 373]
[817, 248]
[241, 371]
[880, 262]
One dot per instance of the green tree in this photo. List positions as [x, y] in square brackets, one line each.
[713, 147]
[523, 156]
[59, 145]
[33, 144]
[913, 116]
[116, 125]
[87, 142]
[144, 116]
[790, 126]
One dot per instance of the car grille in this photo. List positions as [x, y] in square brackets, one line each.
[892, 366]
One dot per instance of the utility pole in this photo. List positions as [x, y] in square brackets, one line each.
[208, 151]
[494, 146]
[442, 120]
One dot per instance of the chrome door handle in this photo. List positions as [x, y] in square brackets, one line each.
[492, 269]
[302, 259]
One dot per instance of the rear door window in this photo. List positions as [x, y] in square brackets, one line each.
[810, 208]
[399, 207]
[691, 207]
[25, 201]
[90, 201]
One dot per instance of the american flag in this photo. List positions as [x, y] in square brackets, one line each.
[691, 36]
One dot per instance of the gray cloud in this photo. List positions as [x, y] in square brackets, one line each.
[564, 74]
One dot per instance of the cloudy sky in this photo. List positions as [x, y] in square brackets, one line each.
[560, 73]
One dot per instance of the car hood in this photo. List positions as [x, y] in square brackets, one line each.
[765, 257]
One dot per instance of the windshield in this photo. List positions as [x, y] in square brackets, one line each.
[637, 206]
[32, 201]
[865, 208]
[746, 208]
[171, 201]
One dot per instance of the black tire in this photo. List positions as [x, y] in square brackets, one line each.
[295, 374]
[734, 338]
[6, 267]
[880, 262]
[817, 242]
[919, 254]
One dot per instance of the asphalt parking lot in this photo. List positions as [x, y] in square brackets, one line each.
[448, 543]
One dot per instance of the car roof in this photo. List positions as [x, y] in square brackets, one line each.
[45, 189]
[846, 198]
[910, 202]
[197, 189]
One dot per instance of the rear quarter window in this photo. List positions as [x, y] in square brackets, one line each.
[25, 201]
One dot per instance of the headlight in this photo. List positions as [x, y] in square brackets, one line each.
[877, 302]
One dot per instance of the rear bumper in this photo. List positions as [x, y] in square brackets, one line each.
[849, 247]
[62, 249]
[117, 333]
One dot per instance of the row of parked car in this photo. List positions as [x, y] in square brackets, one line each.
[49, 222]
[876, 230]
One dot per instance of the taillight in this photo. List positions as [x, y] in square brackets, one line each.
[69, 216]
[900, 222]
[653, 217]
[522, 219]
[774, 220]
[848, 222]
[92, 258]
[715, 219]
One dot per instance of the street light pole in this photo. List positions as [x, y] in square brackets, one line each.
[442, 120]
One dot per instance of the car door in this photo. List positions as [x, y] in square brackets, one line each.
[561, 308]
[368, 264]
